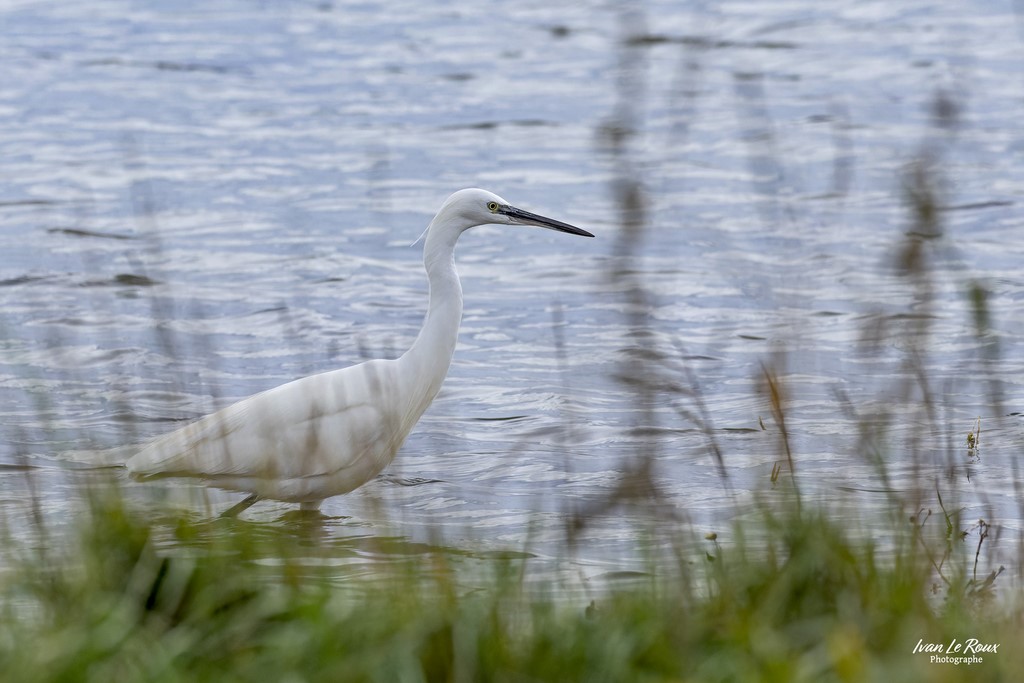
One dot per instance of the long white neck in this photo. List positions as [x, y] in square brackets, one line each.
[425, 365]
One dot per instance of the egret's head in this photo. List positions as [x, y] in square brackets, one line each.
[472, 207]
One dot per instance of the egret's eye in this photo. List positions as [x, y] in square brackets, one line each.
[492, 207]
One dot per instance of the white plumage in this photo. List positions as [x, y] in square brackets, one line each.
[327, 434]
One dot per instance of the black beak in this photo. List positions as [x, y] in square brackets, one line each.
[527, 218]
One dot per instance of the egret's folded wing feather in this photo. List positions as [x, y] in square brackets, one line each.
[200, 445]
[312, 427]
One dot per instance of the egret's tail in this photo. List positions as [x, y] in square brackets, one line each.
[109, 457]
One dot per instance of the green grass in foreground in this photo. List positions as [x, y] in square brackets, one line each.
[137, 599]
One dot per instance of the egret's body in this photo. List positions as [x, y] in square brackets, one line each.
[327, 434]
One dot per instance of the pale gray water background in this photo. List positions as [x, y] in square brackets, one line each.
[203, 200]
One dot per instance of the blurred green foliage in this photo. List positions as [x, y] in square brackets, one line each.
[135, 597]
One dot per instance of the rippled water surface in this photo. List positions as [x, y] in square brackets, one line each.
[198, 204]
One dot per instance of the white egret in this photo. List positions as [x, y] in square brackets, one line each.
[327, 434]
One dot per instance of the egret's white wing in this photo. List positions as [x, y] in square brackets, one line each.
[194, 448]
[314, 427]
